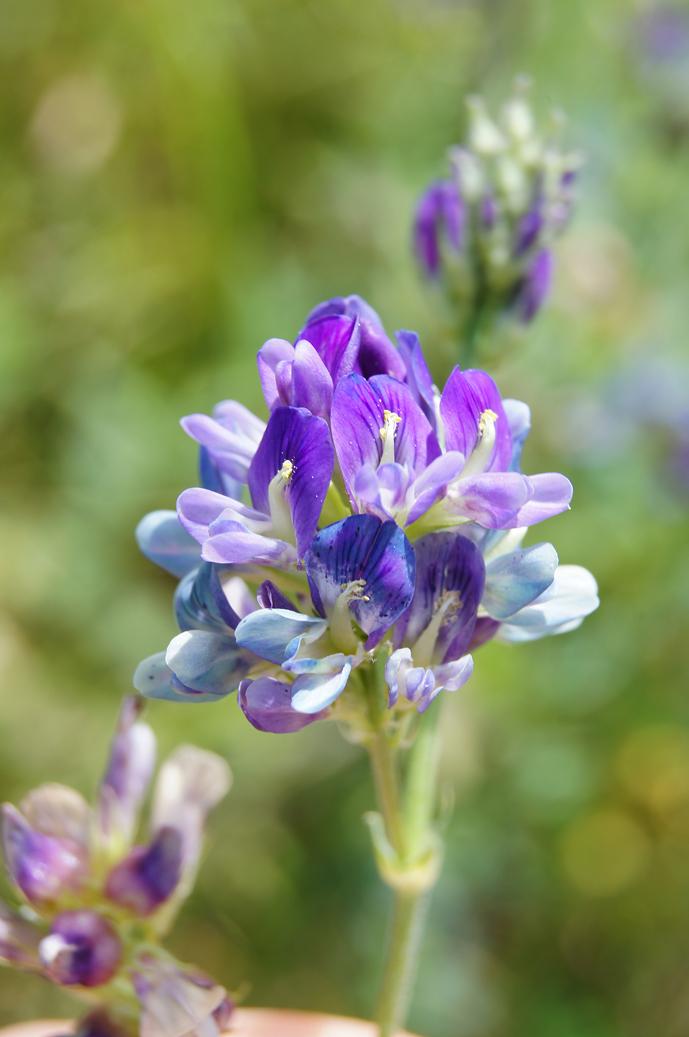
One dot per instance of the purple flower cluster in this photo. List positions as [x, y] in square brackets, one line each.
[373, 514]
[97, 902]
[488, 228]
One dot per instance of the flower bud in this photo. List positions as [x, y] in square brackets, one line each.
[148, 874]
[42, 866]
[82, 949]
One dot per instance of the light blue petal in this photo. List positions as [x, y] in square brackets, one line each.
[515, 580]
[207, 662]
[268, 632]
[165, 541]
[153, 677]
[573, 595]
[312, 693]
[326, 665]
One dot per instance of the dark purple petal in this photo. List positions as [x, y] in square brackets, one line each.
[534, 287]
[267, 704]
[445, 562]
[363, 547]
[148, 875]
[82, 949]
[336, 339]
[312, 385]
[484, 631]
[440, 213]
[201, 604]
[418, 377]
[466, 396]
[358, 416]
[349, 306]
[129, 771]
[295, 435]
[271, 597]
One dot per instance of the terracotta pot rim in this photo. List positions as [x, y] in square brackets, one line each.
[246, 1022]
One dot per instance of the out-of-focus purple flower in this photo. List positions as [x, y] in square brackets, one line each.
[178, 1002]
[18, 939]
[148, 875]
[129, 771]
[101, 1023]
[534, 287]
[440, 214]
[376, 354]
[82, 949]
[42, 866]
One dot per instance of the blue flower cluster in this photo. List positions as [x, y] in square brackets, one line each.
[374, 515]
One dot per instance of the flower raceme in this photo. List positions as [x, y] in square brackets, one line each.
[97, 902]
[374, 515]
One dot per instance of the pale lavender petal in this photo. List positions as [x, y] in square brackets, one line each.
[231, 451]
[236, 545]
[176, 1002]
[451, 676]
[418, 377]
[163, 539]
[494, 500]
[552, 494]
[519, 418]
[466, 396]
[197, 508]
[267, 704]
[18, 939]
[433, 481]
[271, 353]
[314, 693]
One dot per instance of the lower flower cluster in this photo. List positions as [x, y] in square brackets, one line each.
[94, 905]
[378, 521]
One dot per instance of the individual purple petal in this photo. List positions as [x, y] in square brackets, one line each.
[268, 633]
[272, 353]
[233, 543]
[336, 339]
[348, 306]
[267, 704]
[312, 385]
[197, 509]
[466, 397]
[231, 443]
[433, 481]
[207, 662]
[129, 771]
[363, 548]
[18, 939]
[294, 435]
[271, 597]
[190, 784]
[440, 213]
[43, 867]
[212, 478]
[82, 949]
[495, 499]
[163, 539]
[515, 580]
[453, 675]
[359, 419]
[377, 354]
[177, 1001]
[201, 604]
[148, 875]
[313, 693]
[450, 575]
[403, 678]
[484, 631]
[552, 494]
[534, 287]
[418, 377]
[519, 418]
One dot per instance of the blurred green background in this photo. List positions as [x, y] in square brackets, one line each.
[180, 180]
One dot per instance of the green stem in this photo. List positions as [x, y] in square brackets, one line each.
[414, 844]
[401, 961]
